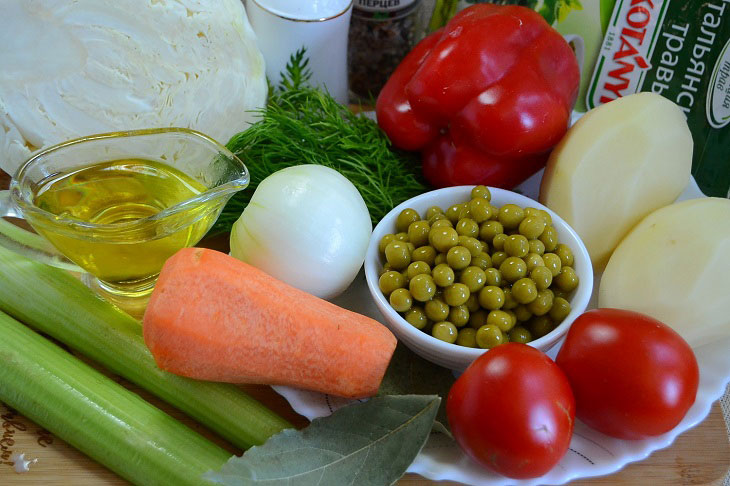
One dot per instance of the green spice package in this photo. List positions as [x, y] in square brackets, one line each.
[681, 50]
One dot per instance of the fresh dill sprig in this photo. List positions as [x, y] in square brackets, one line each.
[303, 125]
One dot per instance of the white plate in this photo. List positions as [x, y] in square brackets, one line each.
[591, 453]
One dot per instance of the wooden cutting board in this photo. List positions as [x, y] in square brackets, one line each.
[701, 456]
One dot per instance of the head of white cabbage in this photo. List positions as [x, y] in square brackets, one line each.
[75, 68]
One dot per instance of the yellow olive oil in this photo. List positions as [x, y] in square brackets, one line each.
[118, 195]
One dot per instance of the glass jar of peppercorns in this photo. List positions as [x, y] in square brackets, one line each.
[382, 32]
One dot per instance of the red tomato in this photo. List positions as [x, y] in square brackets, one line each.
[512, 411]
[633, 377]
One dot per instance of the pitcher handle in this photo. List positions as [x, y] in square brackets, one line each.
[26, 243]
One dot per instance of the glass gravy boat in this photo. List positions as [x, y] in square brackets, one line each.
[115, 206]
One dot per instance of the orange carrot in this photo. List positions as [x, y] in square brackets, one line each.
[213, 317]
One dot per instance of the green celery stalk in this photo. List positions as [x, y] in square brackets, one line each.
[56, 303]
[98, 416]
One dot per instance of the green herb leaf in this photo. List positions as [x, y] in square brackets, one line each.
[302, 125]
[367, 444]
[408, 373]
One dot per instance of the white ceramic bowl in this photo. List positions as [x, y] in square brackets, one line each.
[451, 355]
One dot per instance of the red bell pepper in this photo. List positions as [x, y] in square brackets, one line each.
[484, 99]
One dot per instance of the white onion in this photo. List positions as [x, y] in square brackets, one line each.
[307, 226]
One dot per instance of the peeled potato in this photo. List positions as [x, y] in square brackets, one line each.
[618, 163]
[675, 266]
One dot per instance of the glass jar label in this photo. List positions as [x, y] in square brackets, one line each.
[383, 5]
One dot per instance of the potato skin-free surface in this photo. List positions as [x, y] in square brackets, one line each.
[213, 317]
[675, 267]
[618, 163]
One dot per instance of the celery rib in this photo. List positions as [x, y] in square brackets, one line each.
[98, 416]
[55, 303]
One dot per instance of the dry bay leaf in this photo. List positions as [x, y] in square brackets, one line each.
[364, 444]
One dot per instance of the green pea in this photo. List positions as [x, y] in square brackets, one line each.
[532, 212]
[453, 212]
[493, 277]
[482, 260]
[532, 227]
[422, 287]
[501, 319]
[467, 337]
[442, 223]
[498, 258]
[389, 281]
[509, 300]
[467, 227]
[405, 218]
[401, 300]
[459, 315]
[519, 334]
[512, 315]
[480, 209]
[436, 310]
[549, 237]
[417, 268]
[418, 233]
[533, 260]
[516, 245]
[489, 229]
[552, 263]
[481, 191]
[445, 331]
[565, 254]
[458, 257]
[384, 242]
[488, 337]
[560, 293]
[411, 247]
[537, 246]
[443, 275]
[498, 242]
[474, 278]
[456, 294]
[524, 291]
[511, 215]
[547, 217]
[443, 238]
[542, 303]
[560, 309]
[426, 254]
[513, 269]
[464, 212]
[522, 313]
[540, 326]
[440, 259]
[567, 279]
[402, 236]
[433, 210]
[542, 276]
[397, 254]
[474, 246]
[437, 217]
[416, 317]
[491, 297]
[472, 303]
